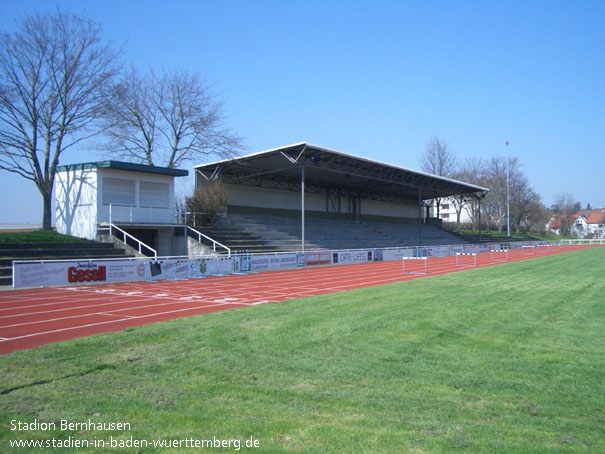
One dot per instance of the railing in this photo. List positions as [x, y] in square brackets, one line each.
[200, 235]
[139, 242]
[134, 214]
[192, 216]
[580, 241]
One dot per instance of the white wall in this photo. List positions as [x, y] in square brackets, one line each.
[79, 205]
[377, 208]
[76, 203]
[273, 198]
[249, 196]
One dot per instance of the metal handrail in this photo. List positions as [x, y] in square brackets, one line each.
[214, 242]
[140, 243]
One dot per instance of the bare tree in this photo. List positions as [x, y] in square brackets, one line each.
[494, 203]
[524, 201]
[167, 120]
[207, 203]
[564, 208]
[438, 160]
[54, 72]
[566, 204]
[473, 171]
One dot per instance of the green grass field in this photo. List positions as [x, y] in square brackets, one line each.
[515, 236]
[504, 359]
[38, 236]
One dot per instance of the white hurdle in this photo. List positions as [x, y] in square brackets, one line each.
[174, 276]
[543, 248]
[466, 254]
[425, 259]
[531, 250]
[496, 255]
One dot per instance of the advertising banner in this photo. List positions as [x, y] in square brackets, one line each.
[273, 262]
[347, 257]
[397, 254]
[45, 274]
[214, 266]
[318, 258]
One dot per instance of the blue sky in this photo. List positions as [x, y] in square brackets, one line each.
[378, 78]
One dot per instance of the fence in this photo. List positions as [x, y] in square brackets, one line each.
[46, 273]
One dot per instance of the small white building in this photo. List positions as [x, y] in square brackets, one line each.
[447, 212]
[595, 223]
[137, 198]
[579, 227]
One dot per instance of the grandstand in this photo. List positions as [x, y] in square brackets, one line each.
[264, 230]
[306, 197]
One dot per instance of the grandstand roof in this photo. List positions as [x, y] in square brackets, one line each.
[280, 168]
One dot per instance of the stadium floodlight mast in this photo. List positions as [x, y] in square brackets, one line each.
[507, 194]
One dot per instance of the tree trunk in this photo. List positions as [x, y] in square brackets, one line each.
[46, 209]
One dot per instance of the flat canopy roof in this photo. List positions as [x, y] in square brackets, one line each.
[329, 170]
[124, 166]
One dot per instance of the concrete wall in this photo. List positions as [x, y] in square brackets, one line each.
[76, 203]
[196, 249]
[169, 244]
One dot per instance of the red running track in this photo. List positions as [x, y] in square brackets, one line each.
[35, 317]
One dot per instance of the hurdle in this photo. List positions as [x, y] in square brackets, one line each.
[543, 248]
[531, 250]
[248, 264]
[242, 265]
[174, 276]
[192, 270]
[496, 255]
[424, 259]
[217, 261]
[155, 269]
[466, 254]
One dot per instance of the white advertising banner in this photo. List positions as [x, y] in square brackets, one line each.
[345, 257]
[45, 274]
[397, 254]
[273, 262]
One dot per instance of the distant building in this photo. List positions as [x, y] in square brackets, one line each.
[596, 224]
[447, 212]
[583, 224]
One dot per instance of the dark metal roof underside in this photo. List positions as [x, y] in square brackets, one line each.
[331, 172]
[124, 166]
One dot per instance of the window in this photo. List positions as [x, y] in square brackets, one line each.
[118, 191]
[153, 194]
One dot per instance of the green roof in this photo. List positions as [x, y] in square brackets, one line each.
[120, 165]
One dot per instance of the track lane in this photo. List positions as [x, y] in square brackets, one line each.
[34, 317]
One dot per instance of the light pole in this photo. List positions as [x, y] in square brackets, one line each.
[507, 195]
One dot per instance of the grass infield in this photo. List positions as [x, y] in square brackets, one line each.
[504, 359]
